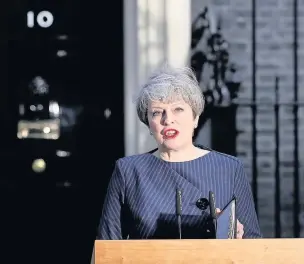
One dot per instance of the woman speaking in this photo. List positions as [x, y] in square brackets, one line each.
[141, 199]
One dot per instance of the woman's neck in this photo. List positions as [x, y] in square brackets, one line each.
[185, 154]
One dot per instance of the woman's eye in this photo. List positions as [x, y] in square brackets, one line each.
[179, 109]
[156, 113]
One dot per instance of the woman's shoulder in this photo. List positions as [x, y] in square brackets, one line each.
[135, 160]
[225, 159]
[134, 166]
[220, 157]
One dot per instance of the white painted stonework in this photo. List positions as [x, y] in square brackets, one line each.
[155, 32]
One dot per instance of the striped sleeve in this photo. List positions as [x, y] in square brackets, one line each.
[110, 226]
[245, 211]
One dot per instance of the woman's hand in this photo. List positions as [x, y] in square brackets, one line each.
[239, 227]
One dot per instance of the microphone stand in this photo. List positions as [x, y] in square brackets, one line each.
[213, 213]
[179, 212]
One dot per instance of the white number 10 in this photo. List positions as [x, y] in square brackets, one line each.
[44, 19]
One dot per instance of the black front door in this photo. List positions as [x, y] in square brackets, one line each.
[61, 120]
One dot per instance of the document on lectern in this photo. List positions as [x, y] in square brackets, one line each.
[227, 222]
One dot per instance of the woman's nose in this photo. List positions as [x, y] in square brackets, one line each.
[168, 119]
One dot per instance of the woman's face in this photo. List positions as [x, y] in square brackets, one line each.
[172, 124]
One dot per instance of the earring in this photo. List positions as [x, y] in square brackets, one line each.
[151, 133]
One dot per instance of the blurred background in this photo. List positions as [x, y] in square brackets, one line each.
[71, 70]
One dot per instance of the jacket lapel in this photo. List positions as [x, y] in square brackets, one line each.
[169, 180]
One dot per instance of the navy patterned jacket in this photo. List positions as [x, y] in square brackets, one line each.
[141, 199]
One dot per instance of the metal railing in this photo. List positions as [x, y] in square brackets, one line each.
[217, 56]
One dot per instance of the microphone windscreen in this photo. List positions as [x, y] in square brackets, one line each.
[212, 205]
[178, 202]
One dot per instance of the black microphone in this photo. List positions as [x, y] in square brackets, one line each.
[212, 207]
[179, 211]
[202, 204]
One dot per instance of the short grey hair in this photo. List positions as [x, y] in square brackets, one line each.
[168, 85]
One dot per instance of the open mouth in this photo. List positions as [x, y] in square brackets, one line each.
[170, 133]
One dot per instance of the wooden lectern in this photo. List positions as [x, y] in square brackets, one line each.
[246, 251]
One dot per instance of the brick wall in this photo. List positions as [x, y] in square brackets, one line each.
[274, 58]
